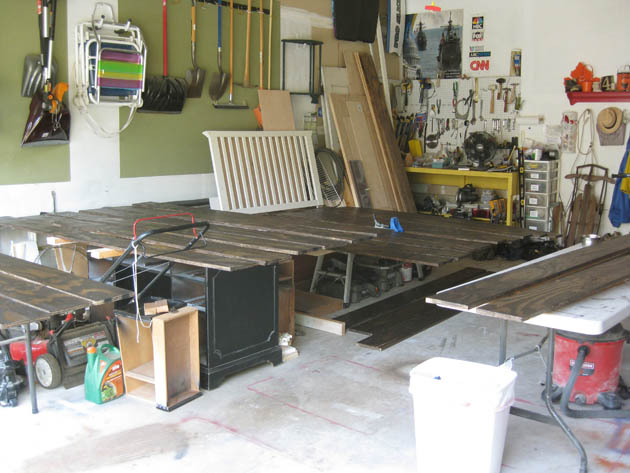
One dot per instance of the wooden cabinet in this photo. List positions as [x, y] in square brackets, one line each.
[161, 362]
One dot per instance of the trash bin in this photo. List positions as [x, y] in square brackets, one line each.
[461, 412]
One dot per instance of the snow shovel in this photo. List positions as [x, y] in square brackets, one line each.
[194, 76]
[164, 94]
[32, 75]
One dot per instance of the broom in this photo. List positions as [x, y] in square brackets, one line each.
[164, 94]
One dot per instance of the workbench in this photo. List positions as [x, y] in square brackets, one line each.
[496, 180]
[34, 293]
[233, 271]
[592, 315]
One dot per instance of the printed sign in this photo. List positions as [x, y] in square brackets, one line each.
[477, 35]
[480, 65]
[395, 26]
[477, 23]
[479, 54]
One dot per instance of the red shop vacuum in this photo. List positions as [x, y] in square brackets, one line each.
[586, 371]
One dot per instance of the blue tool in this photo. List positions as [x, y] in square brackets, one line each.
[394, 224]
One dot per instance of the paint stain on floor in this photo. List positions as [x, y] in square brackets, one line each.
[113, 449]
[612, 466]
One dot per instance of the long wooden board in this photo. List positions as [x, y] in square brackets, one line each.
[401, 316]
[390, 152]
[486, 290]
[560, 291]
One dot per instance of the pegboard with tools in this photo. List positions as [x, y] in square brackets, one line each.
[444, 112]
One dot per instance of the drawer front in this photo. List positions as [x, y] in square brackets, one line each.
[537, 225]
[541, 175]
[537, 200]
[533, 165]
[542, 187]
[541, 213]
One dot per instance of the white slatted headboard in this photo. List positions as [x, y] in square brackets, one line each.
[262, 171]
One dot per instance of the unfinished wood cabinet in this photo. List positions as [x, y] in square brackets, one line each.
[161, 362]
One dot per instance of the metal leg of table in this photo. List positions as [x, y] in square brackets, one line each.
[29, 368]
[348, 281]
[503, 341]
[318, 268]
[560, 421]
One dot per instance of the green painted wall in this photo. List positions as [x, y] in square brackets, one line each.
[163, 144]
[19, 36]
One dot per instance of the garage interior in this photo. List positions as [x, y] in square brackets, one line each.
[320, 236]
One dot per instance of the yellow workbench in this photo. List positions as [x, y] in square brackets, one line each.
[507, 181]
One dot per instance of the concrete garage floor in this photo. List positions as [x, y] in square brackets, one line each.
[336, 408]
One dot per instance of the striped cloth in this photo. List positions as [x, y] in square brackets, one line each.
[120, 70]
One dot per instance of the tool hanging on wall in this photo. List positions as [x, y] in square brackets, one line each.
[231, 103]
[269, 44]
[34, 64]
[164, 94]
[48, 120]
[194, 76]
[220, 79]
[110, 66]
[248, 35]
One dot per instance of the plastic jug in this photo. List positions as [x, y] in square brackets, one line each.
[103, 374]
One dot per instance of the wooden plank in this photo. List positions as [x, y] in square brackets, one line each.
[347, 142]
[13, 314]
[334, 81]
[475, 294]
[560, 291]
[277, 111]
[355, 86]
[364, 134]
[399, 317]
[316, 304]
[370, 248]
[35, 295]
[103, 253]
[320, 323]
[390, 151]
[408, 298]
[91, 292]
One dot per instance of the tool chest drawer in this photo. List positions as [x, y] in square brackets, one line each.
[542, 213]
[541, 175]
[533, 165]
[538, 200]
[538, 224]
[543, 187]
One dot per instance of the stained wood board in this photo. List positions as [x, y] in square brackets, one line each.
[320, 323]
[396, 318]
[277, 111]
[560, 291]
[355, 86]
[486, 290]
[390, 152]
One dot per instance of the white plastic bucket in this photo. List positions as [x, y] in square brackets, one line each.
[461, 412]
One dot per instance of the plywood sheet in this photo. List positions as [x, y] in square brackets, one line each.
[277, 111]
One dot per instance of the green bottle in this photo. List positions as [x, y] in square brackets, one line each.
[103, 374]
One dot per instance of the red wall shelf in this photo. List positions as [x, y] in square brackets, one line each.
[575, 97]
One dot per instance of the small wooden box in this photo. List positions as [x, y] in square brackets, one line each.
[163, 365]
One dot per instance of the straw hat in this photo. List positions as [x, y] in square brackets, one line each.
[609, 120]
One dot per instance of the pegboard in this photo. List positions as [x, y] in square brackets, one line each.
[437, 104]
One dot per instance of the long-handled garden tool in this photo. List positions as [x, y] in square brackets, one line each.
[257, 110]
[247, 43]
[269, 47]
[164, 94]
[196, 75]
[220, 79]
[231, 103]
[48, 120]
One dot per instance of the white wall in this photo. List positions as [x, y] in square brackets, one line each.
[95, 162]
[554, 36]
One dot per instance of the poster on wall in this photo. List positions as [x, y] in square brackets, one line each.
[395, 26]
[432, 46]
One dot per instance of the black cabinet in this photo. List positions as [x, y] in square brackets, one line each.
[240, 326]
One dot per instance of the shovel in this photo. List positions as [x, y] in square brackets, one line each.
[32, 75]
[219, 80]
[194, 76]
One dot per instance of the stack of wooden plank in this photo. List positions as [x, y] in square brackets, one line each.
[362, 120]
[544, 286]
